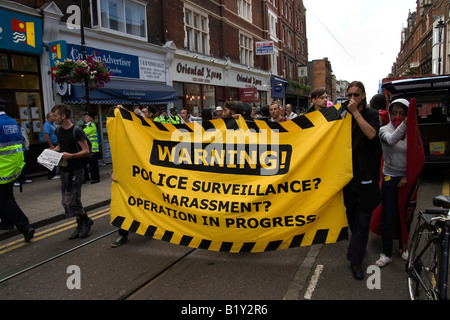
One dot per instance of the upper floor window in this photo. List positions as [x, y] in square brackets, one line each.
[197, 31]
[245, 9]
[123, 16]
[246, 50]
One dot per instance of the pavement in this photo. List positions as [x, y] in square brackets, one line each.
[41, 199]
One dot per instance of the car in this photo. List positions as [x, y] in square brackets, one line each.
[433, 106]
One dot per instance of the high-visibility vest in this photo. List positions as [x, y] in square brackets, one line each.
[169, 119]
[91, 132]
[11, 149]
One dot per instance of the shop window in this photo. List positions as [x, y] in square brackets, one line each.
[24, 63]
[4, 61]
[30, 116]
[19, 81]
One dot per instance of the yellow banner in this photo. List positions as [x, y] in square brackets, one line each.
[232, 185]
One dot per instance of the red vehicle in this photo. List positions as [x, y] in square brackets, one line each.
[433, 104]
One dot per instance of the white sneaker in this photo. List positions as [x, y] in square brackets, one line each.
[404, 255]
[384, 260]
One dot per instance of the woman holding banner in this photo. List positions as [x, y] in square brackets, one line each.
[362, 194]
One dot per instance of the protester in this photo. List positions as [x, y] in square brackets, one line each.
[123, 234]
[378, 102]
[185, 115]
[394, 143]
[276, 114]
[218, 114]
[362, 194]
[74, 147]
[207, 114]
[289, 113]
[51, 140]
[90, 129]
[229, 109]
[11, 164]
[319, 100]
[149, 112]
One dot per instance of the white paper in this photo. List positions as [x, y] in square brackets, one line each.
[49, 158]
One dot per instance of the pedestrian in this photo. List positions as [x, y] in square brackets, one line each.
[91, 170]
[51, 141]
[74, 147]
[276, 113]
[362, 194]
[319, 100]
[11, 164]
[394, 143]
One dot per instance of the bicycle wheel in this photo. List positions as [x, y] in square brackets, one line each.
[424, 261]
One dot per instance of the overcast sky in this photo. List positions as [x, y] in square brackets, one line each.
[364, 40]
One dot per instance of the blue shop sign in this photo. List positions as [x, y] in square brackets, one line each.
[278, 87]
[20, 33]
[120, 64]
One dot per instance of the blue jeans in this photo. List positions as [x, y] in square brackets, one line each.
[389, 198]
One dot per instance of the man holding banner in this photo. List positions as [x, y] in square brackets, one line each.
[362, 194]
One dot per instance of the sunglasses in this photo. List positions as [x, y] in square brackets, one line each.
[356, 95]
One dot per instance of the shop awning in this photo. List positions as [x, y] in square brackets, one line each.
[124, 92]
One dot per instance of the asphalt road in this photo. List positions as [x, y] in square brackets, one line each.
[147, 269]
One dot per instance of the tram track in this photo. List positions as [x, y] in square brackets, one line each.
[13, 245]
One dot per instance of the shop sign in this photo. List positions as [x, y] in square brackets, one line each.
[20, 33]
[198, 73]
[123, 65]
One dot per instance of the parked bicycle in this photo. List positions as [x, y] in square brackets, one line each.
[427, 265]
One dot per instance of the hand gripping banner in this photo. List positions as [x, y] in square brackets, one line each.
[232, 185]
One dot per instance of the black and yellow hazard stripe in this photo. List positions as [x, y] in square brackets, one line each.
[320, 237]
[303, 122]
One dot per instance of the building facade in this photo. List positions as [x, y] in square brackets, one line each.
[425, 41]
[199, 53]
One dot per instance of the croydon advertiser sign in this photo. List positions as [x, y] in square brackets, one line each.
[232, 185]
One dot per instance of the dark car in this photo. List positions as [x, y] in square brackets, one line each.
[433, 105]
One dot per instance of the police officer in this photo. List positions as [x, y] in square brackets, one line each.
[91, 132]
[11, 164]
[168, 118]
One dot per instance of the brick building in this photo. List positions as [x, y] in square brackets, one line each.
[425, 41]
[200, 52]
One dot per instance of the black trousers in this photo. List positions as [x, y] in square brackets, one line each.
[10, 212]
[91, 170]
[360, 200]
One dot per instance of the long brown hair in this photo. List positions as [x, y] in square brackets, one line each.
[359, 85]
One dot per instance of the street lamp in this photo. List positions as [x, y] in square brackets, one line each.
[440, 26]
[83, 51]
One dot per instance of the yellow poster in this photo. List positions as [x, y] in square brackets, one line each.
[232, 185]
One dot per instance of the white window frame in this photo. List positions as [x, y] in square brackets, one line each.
[196, 30]
[246, 50]
[104, 21]
[245, 9]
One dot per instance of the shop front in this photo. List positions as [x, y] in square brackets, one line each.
[203, 82]
[139, 76]
[21, 47]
